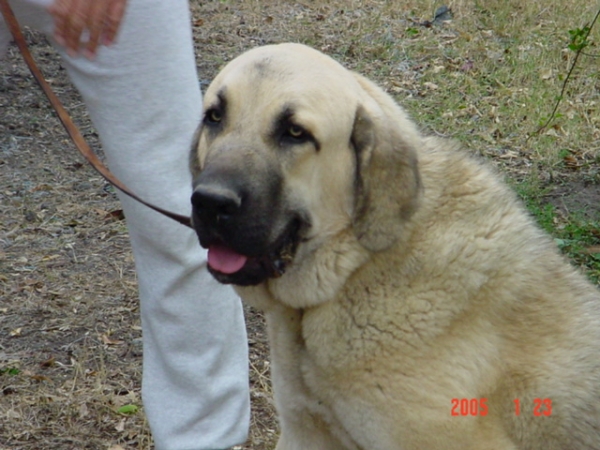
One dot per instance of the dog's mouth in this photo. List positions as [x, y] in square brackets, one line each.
[229, 266]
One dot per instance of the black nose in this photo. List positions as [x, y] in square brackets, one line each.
[213, 204]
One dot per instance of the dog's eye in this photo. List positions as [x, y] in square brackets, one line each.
[296, 134]
[213, 116]
[295, 131]
[292, 134]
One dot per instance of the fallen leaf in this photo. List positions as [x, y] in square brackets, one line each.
[571, 161]
[116, 214]
[108, 341]
[42, 187]
[128, 409]
[120, 427]
[83, 411]
[16, 332]
[39, 378]
[49, 362]
[442, 14]
[509, 154]
[546, 74]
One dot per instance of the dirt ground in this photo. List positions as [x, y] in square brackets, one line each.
[70, 335]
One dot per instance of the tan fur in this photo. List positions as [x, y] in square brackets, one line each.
[423, 279]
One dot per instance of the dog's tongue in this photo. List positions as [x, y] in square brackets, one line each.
[225, 260]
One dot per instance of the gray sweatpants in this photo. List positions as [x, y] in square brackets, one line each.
[143, 97]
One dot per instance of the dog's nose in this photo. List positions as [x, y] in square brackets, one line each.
[215, 203]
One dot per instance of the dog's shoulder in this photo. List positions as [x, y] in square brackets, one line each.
[471, 246]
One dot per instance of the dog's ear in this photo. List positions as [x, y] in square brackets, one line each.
[387, 182]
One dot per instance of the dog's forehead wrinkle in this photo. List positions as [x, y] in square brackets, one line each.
[222, 96]
[267, 69]
[289, 74]
[288, 115]
[281, 66]
[217, 99]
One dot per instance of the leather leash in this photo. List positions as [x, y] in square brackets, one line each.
[67, 122]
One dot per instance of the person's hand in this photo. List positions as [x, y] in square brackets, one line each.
[83, 25]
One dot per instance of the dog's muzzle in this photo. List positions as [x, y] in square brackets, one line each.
[236, 225]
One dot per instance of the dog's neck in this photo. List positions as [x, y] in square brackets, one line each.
[316, 278]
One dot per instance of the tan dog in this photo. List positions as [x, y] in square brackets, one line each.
[411, 302]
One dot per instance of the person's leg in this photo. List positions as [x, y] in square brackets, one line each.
[144, 99]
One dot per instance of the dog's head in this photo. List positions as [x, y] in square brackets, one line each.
[292, 150]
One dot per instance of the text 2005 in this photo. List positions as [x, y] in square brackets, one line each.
[469, 407]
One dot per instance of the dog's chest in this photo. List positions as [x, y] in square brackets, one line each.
[303, 391]
[337, 397]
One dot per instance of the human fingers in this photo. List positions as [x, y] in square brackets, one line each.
[114, 16]
[70, 19]
[101, 19]
[96, 22]
[59, 10]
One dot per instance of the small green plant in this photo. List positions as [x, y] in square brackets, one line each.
[10, 371]
[579, 40]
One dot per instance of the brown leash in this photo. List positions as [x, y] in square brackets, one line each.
[66, 120]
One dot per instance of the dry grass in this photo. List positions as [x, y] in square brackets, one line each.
[70, 353]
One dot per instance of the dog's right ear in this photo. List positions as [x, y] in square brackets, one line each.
[387, 182]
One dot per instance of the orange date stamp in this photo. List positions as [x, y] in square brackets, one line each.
[462, 407]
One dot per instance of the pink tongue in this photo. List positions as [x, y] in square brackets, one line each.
[225, 260]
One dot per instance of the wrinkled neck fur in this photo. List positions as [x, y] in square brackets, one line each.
[320, 273]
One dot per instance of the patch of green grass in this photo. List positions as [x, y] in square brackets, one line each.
[580, 239]
[575, 235]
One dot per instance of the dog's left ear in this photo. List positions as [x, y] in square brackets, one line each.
[387, 182]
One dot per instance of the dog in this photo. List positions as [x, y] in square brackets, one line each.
[411, 302]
